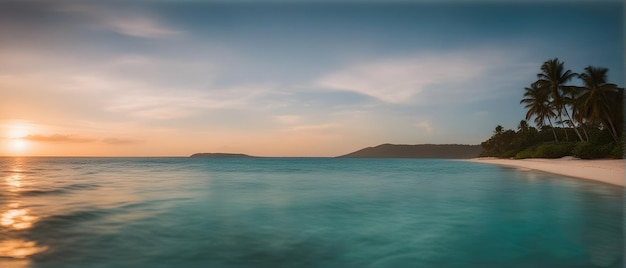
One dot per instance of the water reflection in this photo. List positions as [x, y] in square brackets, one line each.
[15, 218]
[19, 248]
[14, 182]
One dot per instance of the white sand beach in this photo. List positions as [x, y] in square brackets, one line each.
[604, 170]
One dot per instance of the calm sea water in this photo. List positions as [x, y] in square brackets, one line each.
[310, 212]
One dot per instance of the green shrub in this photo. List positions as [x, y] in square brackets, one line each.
[617, 152]
[587, 150]
[508, 154]
[554, 150]
[528, 153]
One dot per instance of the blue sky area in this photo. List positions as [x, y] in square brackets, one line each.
[314, 78]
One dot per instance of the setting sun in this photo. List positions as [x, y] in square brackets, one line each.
[18, 146]
[15, 134]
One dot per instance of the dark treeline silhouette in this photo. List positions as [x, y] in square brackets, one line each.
[442, 151]
[584, 121]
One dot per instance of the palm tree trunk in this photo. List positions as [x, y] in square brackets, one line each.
[564, 129]
[585, 132]
[612, 130]
[553, 132]
[572, 125]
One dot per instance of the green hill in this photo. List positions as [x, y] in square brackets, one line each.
[446, 151]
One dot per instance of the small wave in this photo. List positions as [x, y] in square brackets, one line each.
[42, 192]
[18, 172]
[51, 223]
[63, 190]
[82, 186]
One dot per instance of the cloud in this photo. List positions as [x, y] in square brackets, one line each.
[116, 17]
[416, 77]
[397, 80]
[287, 119]
[58, 138]
[171, 104]
[118, 141]
[142, 27]
[426, 125]
[319, 127]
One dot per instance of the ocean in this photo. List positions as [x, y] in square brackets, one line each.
[301, 212]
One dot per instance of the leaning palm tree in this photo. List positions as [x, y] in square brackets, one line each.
[537, 101]
[554, 78]
[577, 104]
[600, 99]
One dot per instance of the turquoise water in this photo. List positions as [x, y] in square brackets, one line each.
[308, 212]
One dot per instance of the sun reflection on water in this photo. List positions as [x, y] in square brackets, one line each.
[17, 219]
[19, 248]
[14, 182]
[14, 219]
[16, 179]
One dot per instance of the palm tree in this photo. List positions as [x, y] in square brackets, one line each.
[576, 102]
[523, 126]
[601, 100]
[554, 78]
[499, 129]
[537, 101]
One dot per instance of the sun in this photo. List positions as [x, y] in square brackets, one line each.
[14, 137]
[18, 146]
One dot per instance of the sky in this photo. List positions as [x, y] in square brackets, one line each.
[274, 78]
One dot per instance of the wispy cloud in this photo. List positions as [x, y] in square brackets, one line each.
[313, 128]
[406, 79]
[66, 138]
[170, 104]
[142, 27]
[119, 141]
[58, 138]
[287, 119]
[425, 125]
[107, 15]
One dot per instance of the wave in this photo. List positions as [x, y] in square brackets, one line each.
[17, 172]
[55, 222]
[63, 190]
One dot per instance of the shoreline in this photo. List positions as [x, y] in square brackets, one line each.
[609, 171]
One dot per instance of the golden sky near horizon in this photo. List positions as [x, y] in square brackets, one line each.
[21, 138]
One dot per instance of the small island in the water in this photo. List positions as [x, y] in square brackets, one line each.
[220, 155]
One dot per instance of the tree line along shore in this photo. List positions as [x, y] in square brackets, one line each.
[585, 121]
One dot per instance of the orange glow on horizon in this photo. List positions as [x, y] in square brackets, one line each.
[34, 138]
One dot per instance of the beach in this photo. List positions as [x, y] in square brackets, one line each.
[609, 171]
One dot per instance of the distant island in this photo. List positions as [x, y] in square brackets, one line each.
[220, 155]
[445, 151]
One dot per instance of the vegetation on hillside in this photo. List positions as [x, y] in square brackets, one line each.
[583, 121]
[443, 151]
